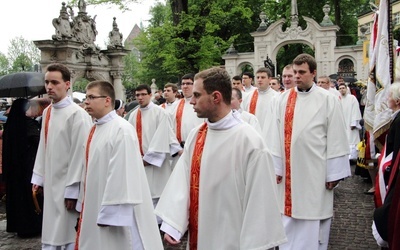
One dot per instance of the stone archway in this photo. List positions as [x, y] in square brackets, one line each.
[73, 45]
[267, 42]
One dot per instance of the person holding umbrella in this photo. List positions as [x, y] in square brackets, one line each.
[20, 142]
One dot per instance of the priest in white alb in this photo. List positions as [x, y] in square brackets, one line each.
[352, 117]
[223, 187]
[310, 153]
[244, 115]
[157, 141]
[59, 160]
[115, 202]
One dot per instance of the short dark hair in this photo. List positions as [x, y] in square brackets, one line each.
[65, 73]
[188, 76]
[173, 86]
[105, 88]
[142, 87]
[238, 92]
[306, 58]
[342, 84]
[249, 74]
[216, 79]
[237, 78]
[265, 70]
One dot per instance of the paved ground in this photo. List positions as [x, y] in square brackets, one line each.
[351, 227]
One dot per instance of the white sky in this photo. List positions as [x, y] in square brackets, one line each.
[33, 19]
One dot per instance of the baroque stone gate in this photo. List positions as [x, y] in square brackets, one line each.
[73, 45]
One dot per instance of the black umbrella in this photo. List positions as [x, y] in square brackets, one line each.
[22, 84]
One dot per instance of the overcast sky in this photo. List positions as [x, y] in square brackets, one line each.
[33, 19]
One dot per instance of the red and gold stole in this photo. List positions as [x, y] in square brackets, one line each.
[89, 140]
[253, 102]
[194, 186]
[46, 124]
[179, 113]
[289, 115]
[139, 129]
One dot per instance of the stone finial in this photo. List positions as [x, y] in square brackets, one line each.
[362, 36]
[294, 14]
[231, 50]
[326, 21]
[263, 25]
[62, 24]
[82, 6]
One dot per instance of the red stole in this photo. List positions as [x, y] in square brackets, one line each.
[394, 212]
[179, 113]
[84, 188]
[46, 124]
[194, 186]
[253, 102]
[289, 115]
[139, 129]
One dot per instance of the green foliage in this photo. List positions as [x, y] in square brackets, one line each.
[22, 55]
[4, 65]
[80, 85]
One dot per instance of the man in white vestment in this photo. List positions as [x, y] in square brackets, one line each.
[352, 117]
[170, 90]
[183, 117]
[244, 115]
[247, 81]
[325, 83]
[223, 188]
[59, 160]
[116, 206]
[310, 153]
[238, 84]
[287, 77]
[157, 141]
[260, 101]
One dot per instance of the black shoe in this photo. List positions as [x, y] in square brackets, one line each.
[369, 192]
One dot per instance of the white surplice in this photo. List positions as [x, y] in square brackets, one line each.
[116, 191]
[189, 119]
[159, 143]
[58, 168]
[352, 117]
[237, 197]
[264, 109]
[250, 119]
[319, 154]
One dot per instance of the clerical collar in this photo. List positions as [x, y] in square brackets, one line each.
[305, 90]
[395, 114]
[230, 120]
[169, 103]
[63, 103]
[149, 106]
[108, 117]
[263, 91]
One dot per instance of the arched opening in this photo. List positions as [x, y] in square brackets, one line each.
[288, 52]
[346, 68]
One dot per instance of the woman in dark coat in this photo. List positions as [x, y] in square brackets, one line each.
[20, 142]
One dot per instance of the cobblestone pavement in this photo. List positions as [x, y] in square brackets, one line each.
[351, 226]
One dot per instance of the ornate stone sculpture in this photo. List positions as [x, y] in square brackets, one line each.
[62, 24]
[115, 37]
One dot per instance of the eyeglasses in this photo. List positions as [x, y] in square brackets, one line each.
[92, 97]
[141, 94]
[187, 83]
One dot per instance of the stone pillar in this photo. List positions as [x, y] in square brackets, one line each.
[118, 87]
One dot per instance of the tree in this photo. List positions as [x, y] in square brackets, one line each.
[22, 54]
[4, 65]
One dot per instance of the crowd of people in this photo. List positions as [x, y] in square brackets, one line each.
[242, 162]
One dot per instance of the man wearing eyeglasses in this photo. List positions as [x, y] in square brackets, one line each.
[325, 83]
[117, 206]
[184, 119]
[157, 140]
[58, 165]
